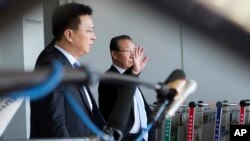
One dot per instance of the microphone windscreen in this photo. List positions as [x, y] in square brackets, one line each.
[186, 88]
[175, 75]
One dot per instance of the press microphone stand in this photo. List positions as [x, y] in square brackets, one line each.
[158, 116]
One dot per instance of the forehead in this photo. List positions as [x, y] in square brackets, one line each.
[86, 21]
[126, 43]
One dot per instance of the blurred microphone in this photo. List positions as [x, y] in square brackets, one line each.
[168, 89]
[184, 89]
[177, 74]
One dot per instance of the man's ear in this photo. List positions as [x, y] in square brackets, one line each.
[68, 34]
[113, 54]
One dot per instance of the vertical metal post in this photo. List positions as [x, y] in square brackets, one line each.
[168, 129]
[218, 121]
[178, 122]
[191, 118]
[225, 121]
[199, 117]
[242, 112]
[247, 112]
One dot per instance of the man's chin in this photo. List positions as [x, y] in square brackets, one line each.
[84, 53]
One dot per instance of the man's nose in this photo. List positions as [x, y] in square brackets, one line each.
[93, 37]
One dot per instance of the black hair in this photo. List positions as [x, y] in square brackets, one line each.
[114, 42]
[67, 16]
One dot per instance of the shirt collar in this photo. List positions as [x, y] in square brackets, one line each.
[121, 70]
[71, 59]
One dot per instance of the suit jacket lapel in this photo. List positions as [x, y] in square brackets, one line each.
[60, 56]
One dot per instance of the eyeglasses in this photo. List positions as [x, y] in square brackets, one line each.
[91, 31]
[127, 51]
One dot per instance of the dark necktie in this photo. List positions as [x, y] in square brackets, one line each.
[76, 64]
[96, 115]
[84, 93]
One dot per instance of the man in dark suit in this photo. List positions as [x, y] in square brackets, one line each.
[52, 116]
[127, 60]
